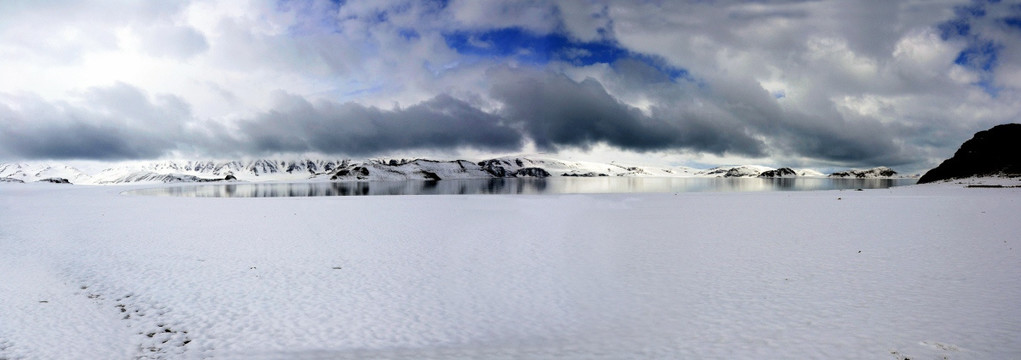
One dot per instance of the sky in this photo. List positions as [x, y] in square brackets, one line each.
[823, 84]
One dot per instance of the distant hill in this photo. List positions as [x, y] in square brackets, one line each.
[993, 152]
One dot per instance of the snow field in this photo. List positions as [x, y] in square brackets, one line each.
[920, 272]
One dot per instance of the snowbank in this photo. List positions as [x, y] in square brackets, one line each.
[917, 272]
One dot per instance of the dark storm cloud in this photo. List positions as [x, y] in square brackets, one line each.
[443, 122]
[860, 143]
[123, 122]
[72, 141]
[826, 134]
[723, 116]
[114, 124]
[557, 112]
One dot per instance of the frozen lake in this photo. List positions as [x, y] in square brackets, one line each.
[561, 185]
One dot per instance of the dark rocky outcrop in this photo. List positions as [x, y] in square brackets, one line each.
[741, 171]
[505, 169]
[11, 180]
[54, 180]
[993, 152]
[877, 172]
[359, 172]
[495, 167]
[429, 175]
[588, 174]
[187, 178]
[781, 172]
[531, 172]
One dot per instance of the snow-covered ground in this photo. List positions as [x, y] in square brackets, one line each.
[919, 272]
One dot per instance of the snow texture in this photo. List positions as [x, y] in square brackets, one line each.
[917, 272]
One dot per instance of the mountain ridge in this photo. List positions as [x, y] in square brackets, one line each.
[383, 169]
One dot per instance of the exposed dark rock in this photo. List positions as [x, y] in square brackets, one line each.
[55, 180]
[993, 152]
[359, 172]
[739, 172]
[494, 167]
[588, 174]
[878, 172]
[229, 177]
[781, 172]
[11, 180]
[429, 175]
[504, 169]
[532, 172]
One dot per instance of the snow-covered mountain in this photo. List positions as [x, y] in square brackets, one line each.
[191, 171]
[735, 171]
[173, 171]
[873, 173]
[505, 167]
[758, 171]
[784, 172]
[29, 172]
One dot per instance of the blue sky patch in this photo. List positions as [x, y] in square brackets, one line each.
[979, 55]
[1014, 22]
[526, 47]
[954, 28]
[408, 34]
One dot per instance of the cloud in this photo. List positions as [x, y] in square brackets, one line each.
[443, 122]
[830, 83]
[555, 111]
[180, 42]
[33, 128]
[123, 122]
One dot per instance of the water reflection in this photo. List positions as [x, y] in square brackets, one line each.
[520, 186]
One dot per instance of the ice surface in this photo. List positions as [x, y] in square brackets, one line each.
[919, 272]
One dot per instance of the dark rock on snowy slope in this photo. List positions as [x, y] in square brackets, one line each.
[873, 173]
[735, 171]
[11, 180]
[503, 168]
[531, 172]
[356, 172]
[54, 180]
[496, 167]
[580, 174]
[993, 152]
[429, 175]
[781, 172]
